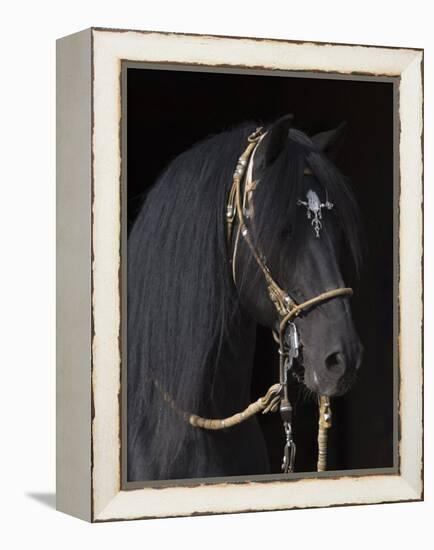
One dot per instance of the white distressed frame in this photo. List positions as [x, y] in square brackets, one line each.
[107, 501]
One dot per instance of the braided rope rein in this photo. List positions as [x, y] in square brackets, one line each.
[269, 402]
[324, 423]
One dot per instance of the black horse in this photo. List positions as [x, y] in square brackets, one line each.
[191, 329]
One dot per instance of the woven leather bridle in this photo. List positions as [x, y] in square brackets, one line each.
[287, 309]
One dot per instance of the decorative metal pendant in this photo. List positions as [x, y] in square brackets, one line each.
[314, 206]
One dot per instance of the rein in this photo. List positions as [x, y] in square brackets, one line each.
[287, 309]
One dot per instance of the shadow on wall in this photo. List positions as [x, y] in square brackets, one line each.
[47, 499]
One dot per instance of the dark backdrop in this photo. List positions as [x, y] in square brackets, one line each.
[168, 111]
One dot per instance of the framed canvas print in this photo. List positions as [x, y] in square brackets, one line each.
[239, 260]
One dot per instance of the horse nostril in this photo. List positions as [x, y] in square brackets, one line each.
[335, 362]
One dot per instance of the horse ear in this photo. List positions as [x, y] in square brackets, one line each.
[273, 143]
[330, 142]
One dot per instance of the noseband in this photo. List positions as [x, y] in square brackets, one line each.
[276, 398]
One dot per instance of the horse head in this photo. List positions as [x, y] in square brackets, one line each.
[301, 219]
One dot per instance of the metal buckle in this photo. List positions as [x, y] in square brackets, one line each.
[254, 136]
[288, 451]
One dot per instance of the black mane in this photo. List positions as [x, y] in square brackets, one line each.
[182, 304]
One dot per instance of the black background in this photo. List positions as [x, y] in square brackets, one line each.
[168, 111]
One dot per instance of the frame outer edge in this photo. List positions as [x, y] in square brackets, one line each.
[411, 275]
[73, 275]
[110, 502]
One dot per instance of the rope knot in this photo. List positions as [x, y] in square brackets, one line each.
[271, 400]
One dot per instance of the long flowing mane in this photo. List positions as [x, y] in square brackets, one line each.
[182, 303]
